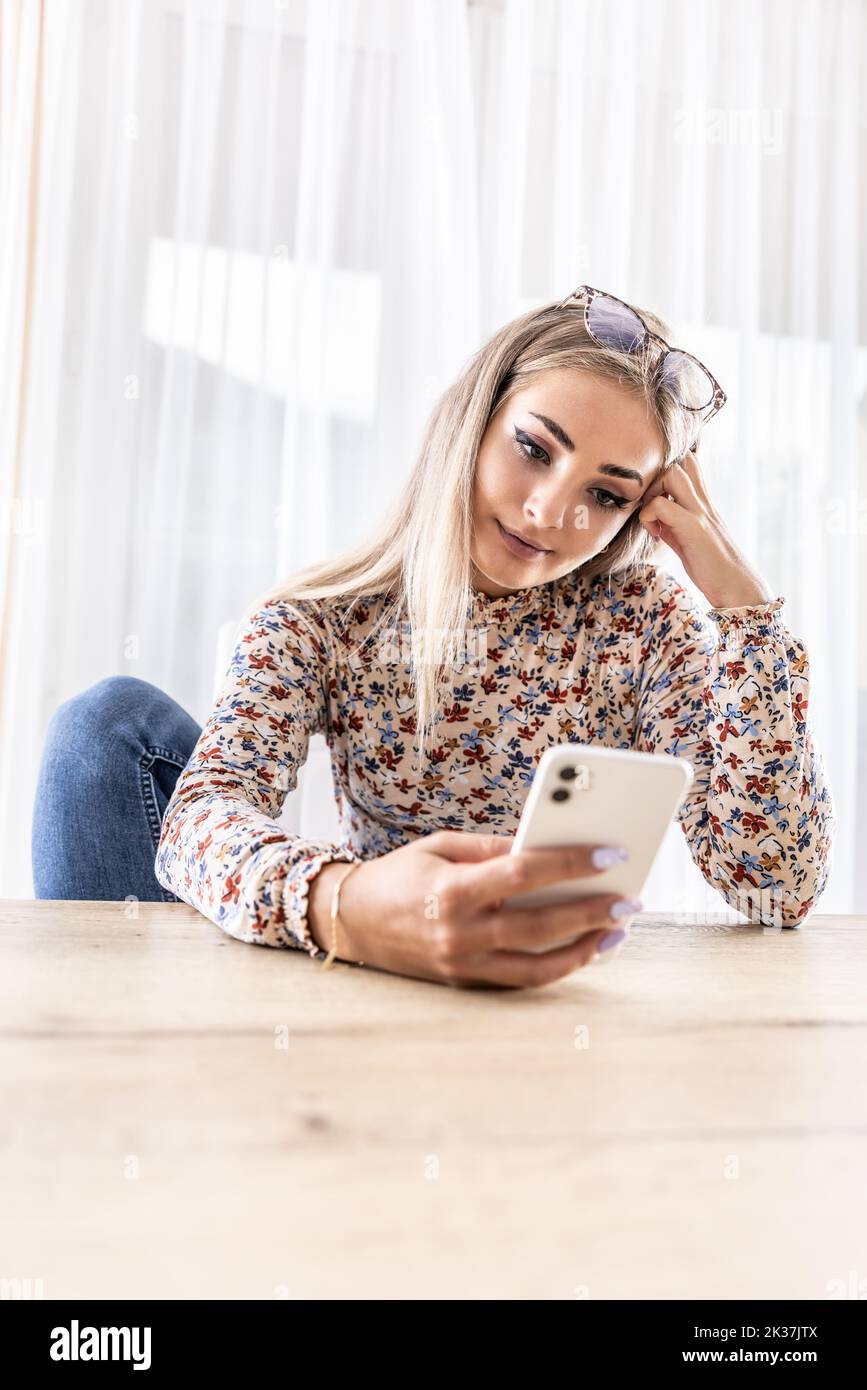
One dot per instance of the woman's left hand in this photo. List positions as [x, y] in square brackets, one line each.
[677, 509]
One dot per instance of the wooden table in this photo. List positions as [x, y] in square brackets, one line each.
[186, 1116]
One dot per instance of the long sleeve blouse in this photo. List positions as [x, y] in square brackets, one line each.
[630, 664]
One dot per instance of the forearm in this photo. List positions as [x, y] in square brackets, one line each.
[770, 817]
[758, 819]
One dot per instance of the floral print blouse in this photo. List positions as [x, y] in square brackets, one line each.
[633, 664]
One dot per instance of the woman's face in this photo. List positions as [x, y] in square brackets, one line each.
[564, 463]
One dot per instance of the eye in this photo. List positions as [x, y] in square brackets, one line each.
[523, 443]
[613, 504]
[606, 501]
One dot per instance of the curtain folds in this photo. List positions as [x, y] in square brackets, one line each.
[244, 244]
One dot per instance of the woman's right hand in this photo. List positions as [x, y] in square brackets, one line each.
[434, 910]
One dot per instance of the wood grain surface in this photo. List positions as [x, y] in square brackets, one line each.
[187, 1116]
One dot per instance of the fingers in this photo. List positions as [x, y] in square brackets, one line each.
[679, 485]
[660, 510]
[522, 928]
[691, 467]
[523, 970]
[466, 847]
[683, 482]
[657, 488]
[487, 884]
[679, 491]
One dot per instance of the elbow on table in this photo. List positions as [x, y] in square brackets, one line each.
[771, 906]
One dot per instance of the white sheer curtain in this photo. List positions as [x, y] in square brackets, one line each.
[246, 242]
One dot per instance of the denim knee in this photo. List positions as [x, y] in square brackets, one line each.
[136, 712]
[112, 752]
[105, 698]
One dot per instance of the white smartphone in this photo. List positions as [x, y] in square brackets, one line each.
[602, 796]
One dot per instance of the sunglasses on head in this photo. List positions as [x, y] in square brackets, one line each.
[613, 324]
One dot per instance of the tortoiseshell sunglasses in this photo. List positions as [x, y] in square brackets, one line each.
[614, 324]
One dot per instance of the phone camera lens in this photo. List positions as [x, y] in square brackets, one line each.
[559, 794]
[567, 774]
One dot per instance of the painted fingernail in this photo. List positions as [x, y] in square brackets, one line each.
[624, 907]
[608, 855]
[611, 939]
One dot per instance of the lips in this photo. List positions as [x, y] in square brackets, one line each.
[525, 539]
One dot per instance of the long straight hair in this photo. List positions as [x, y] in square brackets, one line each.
[419, 552]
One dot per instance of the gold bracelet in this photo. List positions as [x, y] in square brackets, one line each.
[335, 905]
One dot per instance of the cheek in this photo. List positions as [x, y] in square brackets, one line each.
[593, 521]
[496, 478]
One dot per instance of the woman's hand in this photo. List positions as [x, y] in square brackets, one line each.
[677, 509]
[434, 910]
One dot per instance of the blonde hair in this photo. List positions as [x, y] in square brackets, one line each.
[419, 553]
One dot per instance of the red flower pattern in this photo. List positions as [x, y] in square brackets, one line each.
[631, 663]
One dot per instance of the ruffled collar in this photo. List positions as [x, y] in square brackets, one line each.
[515, 604]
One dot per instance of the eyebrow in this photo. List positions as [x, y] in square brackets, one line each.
[614, 470]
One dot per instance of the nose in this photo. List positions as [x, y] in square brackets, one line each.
[546, 509]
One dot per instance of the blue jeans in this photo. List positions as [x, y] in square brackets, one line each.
[110, 761]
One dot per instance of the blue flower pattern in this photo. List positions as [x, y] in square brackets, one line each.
[625, 663]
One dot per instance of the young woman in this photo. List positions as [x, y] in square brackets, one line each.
[508, 602]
